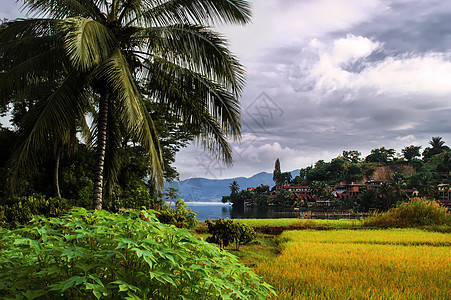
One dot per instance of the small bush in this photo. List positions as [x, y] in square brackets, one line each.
[225, 232]
[129, 255]
[20, 210]
[419, 212]
[180, 216]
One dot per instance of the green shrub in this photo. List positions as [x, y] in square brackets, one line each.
[19, 210]
[225, 232]
[419, 212]
[180, 216]
[135, 198]
[129, 255]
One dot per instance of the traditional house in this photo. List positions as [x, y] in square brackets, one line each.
[375, 183]
[444, 194]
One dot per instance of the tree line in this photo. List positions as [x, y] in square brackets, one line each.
[427, 169]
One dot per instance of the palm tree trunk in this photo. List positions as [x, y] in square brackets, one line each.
[100, 151]
[56, 173]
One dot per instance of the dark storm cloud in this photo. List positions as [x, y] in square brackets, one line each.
[411, 26]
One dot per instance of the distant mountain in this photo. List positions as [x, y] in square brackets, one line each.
[212, 190]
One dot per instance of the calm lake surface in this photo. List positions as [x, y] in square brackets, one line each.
[212, 210]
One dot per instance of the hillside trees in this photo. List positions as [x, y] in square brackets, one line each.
[381, 155]
[99, 55]
[410, 152]
[437, 146]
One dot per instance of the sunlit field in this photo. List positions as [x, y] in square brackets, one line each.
[361, 264]
[342, 223]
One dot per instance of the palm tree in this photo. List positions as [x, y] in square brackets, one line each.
[234, 188]
[114, 56]
[438, 146]
[437, 143]
[398, 184]
[410, 152]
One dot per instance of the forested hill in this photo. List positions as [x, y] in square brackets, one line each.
[212, 190]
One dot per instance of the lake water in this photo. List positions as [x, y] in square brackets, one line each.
[213, 210]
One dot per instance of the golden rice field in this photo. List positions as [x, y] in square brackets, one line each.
[342, 223]
[361, 264]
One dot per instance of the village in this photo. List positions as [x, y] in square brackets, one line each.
[385, 186]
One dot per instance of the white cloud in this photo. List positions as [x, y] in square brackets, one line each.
[281, 22]
[404, 75]
[407, 139]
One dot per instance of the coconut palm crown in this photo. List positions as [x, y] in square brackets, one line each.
[109, 58]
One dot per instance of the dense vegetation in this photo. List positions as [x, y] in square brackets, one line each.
[106, 71]
[101, 95]
[413, 214]
[129, 255]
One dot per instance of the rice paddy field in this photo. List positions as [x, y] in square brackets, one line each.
[360, 264]
[342, 223]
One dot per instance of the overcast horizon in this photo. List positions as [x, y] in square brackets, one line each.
[325, 76]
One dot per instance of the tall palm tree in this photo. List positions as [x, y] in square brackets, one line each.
[79, 54]
[234, 188]
[437, 143]
[438, 146]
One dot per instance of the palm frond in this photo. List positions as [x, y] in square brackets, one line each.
[197, 48]
[165, 12]
[48, 119]
[200, 103]
[87, 42]
[137, 122]
[60, 9]
[31, 56]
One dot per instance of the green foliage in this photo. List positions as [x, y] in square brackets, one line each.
[135, 198]
[234, 187]
[19, 210]
[410, 152]
[416, 213]
[130, 255]
[225, 232]
[367, 199]
[238, 199]
[180, 216]
[381, 155]
[437, 147]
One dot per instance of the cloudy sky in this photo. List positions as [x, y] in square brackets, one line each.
[325, 76]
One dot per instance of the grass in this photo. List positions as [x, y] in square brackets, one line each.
[419, 212]
[358, 264]
[404, 253]
[333, 224]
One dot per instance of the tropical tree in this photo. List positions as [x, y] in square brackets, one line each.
[387, 196]
[437, 147]
[110, 58]
[277, 172]
[234, 188]
[321, 189]
[381, 155]
[410, 152]
[398, 183]
[171, 195]
[352, 156]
